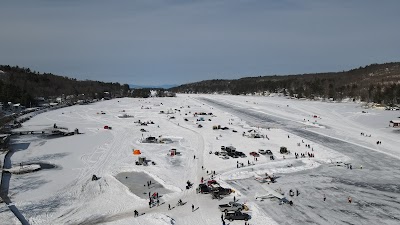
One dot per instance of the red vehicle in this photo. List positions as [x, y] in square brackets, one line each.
[210, 182]
[255, 154]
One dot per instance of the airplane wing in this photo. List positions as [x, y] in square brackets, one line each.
[270, 193]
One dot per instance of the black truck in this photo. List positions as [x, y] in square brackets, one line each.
[236, 215]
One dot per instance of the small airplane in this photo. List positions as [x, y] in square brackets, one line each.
[266, 179]
[270, 194]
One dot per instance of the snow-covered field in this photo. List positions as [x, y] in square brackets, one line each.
[66, 194]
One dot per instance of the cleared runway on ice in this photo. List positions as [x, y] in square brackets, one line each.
[375, 189]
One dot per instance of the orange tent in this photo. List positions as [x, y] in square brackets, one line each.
[136, 152]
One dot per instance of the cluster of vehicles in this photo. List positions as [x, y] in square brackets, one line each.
[214, 188]
[233, 211]
[230, 151]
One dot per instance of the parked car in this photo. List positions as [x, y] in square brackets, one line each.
[204, 189]
[224, 157]
[231, 206]
[262, 151]
[222, 191]
[223, 153]
[211, 182]
[255, 154]
[233, 155]
[236, 215]
[230, 149]
[283, 150]
[240, 154]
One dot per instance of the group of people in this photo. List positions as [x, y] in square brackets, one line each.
[238, 165]
[291, 192]
[303, 155]
[154, 199]
[364, 134]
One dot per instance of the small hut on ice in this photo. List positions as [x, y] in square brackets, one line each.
[395, 123]
[150, 140]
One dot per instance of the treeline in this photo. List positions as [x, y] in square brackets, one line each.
[21, 85]
[378, 83]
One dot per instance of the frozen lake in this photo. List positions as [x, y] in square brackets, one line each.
[333, 131]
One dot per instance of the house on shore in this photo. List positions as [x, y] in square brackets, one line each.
[4, 139]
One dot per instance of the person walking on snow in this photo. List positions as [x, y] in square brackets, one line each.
[349, 199]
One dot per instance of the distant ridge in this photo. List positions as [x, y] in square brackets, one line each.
[21, 85]
[378, 83]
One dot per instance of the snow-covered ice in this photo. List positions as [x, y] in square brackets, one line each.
[67, 195]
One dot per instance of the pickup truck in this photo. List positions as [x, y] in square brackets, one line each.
[231, 206]
[236, 215]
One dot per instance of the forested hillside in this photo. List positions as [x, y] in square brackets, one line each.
[21, 85]
[376, 83]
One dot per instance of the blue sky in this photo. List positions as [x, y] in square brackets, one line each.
[153, 42]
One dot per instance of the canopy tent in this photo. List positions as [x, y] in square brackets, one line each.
[136, 152]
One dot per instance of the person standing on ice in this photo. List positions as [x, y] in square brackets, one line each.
[169, 207]
[324, 197]
[192, 207]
